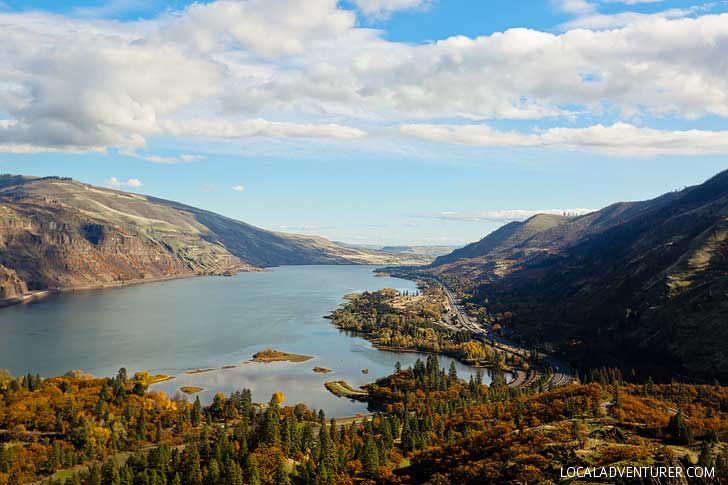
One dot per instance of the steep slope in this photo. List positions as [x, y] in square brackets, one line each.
[496, 253]
[642, 285]
[60, 233]
[521, 244]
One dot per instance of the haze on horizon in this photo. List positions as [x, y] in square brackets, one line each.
[369, 121]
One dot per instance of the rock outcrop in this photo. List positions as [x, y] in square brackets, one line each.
[11, 286]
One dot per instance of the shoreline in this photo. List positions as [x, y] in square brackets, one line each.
[28, 297]
[36, 295]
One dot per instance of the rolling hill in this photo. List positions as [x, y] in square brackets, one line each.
[57, 233]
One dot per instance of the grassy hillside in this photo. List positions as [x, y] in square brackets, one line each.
[60, 233]
[639, 284]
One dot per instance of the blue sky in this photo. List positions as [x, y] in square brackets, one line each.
[370, 121]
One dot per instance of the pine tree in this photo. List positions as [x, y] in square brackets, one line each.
[196, 415]
[110, 473]
[370, 460]
[281, 474]
[213, 473]
[706, 456]
[453, 373]
[252, 471]
[233, 474]
[272, 423]
[94, 477]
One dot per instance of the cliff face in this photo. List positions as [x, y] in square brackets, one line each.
[59, 233]
[11, 286]
[54, 246]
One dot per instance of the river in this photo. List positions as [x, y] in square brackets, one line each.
[209, 322]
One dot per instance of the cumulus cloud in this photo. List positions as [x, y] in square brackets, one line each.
[234, 69]
[597, 21]
[113, 182]
[618, 139]
[504, 215]
[238, 188]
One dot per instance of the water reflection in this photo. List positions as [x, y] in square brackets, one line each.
[200, 323]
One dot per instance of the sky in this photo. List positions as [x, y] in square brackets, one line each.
[369, 121]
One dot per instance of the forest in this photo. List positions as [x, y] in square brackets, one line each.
[403, 322]
[429, 426]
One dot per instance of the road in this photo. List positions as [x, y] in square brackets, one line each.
[562, 373]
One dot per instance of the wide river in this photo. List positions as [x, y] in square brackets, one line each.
[209, 322]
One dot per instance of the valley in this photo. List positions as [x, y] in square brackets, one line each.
[639, 285]
[500, 359]
[57, 234]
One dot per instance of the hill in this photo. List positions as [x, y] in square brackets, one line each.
[637, 284]
[58, 233]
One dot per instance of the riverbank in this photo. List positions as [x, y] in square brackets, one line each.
[28, 297]
[41, 294]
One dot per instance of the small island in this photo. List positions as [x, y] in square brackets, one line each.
[344, 389]
[198, 371]
[191, 389]
[145, 378]
[270, 355]
[322, 370]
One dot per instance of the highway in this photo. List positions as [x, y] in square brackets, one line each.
[562, 373]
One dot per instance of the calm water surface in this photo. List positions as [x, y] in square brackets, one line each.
[209, 322]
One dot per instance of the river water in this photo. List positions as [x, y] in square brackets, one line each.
[209, 322]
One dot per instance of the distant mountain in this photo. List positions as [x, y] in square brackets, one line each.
[425, 252]
[60, 233]
[637, 284]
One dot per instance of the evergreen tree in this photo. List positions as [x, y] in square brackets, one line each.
[706, 456]
[282, 474]
[233, 474]
[110, 473]
[370, 460]
[196, 415]
[252, 471]
[453, 373]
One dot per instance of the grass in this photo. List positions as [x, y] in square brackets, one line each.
[270, 355]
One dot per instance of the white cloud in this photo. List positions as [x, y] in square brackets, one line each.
[113, 182]
[382, 8]
[504, 215]
[163, 160]
[578, 7]
[234, 69]
[258, 127]
[618, 139]
[238, 188]
[191, 158]
[597, 21]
